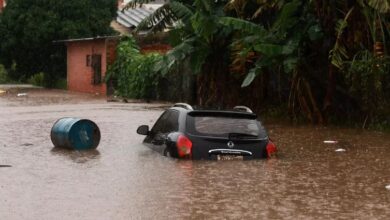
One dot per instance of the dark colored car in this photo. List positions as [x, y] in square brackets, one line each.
[183, 132]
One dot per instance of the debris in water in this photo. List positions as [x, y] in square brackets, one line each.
[388, 187]
[75, 134]
[330, 142]
[2, 91]
[21, 94]
[340, 150]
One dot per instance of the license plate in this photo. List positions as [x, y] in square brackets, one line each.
[230, 157]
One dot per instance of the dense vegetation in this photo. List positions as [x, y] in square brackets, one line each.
[135, 76]
[3, 74]
[323, 61]
[29, 27]
[133, 72]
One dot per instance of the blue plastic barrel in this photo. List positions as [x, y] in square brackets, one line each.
[75, 133]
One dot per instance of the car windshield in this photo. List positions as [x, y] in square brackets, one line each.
[225, 127]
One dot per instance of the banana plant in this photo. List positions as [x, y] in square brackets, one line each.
[279, 44]
[199, 38]
[375, 13]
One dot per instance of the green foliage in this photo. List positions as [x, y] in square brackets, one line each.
[383, 6]
[29, 27]
[61, 84]
[243, 25]
[176, 55]
[339, 53]
[198, 30]
[199, 38]
[134, 72]
[3, 75]
[284, 51]
[200, 35]
[282, 43]
[365, 76]
[376, 17]
[287, 17]
[250, 76]
[37, 79]
[364, 25]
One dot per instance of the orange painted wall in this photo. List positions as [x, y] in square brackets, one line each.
[79, 75]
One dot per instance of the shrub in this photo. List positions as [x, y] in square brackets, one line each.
[61, 84]
[37, 79]
[134, 72]
[366, 78]
[3, 74]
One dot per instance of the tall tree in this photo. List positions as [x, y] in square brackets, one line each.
[29, 27]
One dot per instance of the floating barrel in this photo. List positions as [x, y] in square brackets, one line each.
[75, 133]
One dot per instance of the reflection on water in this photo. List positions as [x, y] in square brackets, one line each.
[77, 156]
[123, 179]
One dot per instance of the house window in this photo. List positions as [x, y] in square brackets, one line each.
[96, 64]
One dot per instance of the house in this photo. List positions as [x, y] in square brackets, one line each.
[88, 58]
[87, 61]
[128, 19]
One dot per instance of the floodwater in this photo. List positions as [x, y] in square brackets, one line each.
[123, 179]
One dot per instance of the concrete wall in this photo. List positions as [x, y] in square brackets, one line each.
[79, 75]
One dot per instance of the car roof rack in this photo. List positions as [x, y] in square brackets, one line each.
[183, 105]
[242, 108]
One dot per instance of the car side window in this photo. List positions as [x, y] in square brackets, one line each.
[160, 123]
[172, 121]
[168, 122]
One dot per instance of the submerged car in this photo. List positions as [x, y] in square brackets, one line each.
[183, 132]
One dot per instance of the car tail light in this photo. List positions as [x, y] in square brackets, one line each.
[271, 149]
[184, 146]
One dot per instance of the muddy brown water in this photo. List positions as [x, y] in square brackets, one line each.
[123, 179]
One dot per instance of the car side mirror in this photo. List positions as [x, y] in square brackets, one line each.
[143, 130]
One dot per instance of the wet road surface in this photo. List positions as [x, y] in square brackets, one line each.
[123, 179]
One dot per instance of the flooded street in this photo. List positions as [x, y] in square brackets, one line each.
[123, 179]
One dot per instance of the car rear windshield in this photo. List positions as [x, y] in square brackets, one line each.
[220, 126]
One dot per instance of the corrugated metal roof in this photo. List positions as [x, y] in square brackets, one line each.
[132, 17]
[87, 39]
